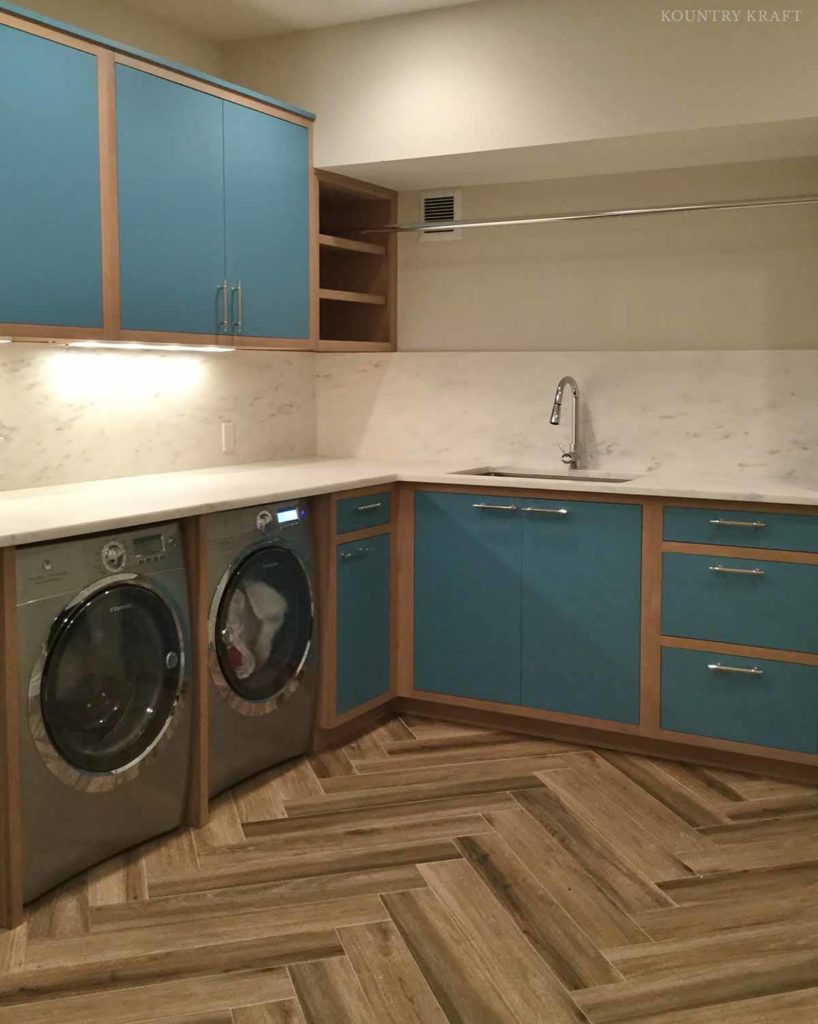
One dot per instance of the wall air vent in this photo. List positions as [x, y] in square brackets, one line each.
[437, 208]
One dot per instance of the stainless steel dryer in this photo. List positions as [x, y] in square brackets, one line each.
[262, 638]
[104, 724]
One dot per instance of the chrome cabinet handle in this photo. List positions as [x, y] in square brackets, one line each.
[718, 667]
[497, 508]
[737, 572]
[368, 508]
[223, 323]
[237, 323]
[755, 524]
[546, 511]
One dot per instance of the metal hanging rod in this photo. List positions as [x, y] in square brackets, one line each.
[553, 218]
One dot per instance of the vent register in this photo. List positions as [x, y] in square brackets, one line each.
[439, 208]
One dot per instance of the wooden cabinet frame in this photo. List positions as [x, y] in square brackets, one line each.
[111, 331]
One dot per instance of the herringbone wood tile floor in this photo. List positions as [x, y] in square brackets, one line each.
[427, 873]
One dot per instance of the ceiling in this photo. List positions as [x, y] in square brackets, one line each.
[231, 20]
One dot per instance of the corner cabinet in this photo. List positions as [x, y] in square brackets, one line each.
[145, 204]
[50, 219]
[527, 602]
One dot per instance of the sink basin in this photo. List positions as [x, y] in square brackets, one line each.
[566, 475]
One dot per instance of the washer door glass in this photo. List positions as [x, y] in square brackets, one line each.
[264, 623]
[111, 678]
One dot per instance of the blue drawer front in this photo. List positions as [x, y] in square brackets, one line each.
[170, 158]
[467, 597]
[362, 512]
[581, 608]
[773, 530]
[777, 609]
[50, 250]
[363, 658]
[777, 709]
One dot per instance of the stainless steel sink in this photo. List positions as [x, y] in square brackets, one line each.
[577, 475]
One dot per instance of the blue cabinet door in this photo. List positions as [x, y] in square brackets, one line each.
[170, 156]
[363, 648]
[50, 254]
[467, 596]
[581, 583]
[266, 168]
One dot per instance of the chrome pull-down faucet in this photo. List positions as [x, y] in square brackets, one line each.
[572, 456]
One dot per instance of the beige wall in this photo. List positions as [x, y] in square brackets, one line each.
[125, 24]
[512, 73]
[725, 280]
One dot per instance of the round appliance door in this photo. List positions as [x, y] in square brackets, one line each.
[263, 626]
[111, 678]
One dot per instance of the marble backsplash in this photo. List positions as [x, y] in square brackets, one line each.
[68, 415]
[750, 412]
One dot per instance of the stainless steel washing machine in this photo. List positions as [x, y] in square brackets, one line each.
[104, 723]
[262, 638]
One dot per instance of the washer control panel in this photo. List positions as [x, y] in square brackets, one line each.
[140, 551]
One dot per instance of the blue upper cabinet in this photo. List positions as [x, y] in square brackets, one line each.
[266, 174]
[50, 256]
[171, 205]
[467, 596]
[581, 608]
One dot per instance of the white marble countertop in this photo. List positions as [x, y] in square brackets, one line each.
[65, 510]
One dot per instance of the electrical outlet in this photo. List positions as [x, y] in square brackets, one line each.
[228, 437]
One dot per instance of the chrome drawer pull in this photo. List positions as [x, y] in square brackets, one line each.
[498, 508]
[718, 667]
[546, 511]
[737, 572]
[736, 522]
[370, 507]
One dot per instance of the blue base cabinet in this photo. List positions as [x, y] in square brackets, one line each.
[467, 596]
[529, 602]
[50, 221]
[363, 624]
[581, 573]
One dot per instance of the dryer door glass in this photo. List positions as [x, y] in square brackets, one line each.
[111, 678]
[264, 623]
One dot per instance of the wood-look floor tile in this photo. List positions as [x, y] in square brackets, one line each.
[392, 814]
[330, 993]
[451, 785]
[660, 960]
[186, 996]
[595, 794]
[60, 913]
[287, 1011]
[561, 943]
[775, 806]
[530, 987]
[735, 913]
[746, 979]
[455, 756]
[454, 967]
[204, 906]
[118, 880]
[174, 962]
[392, 981]
[748, 856]
[699, 781]
[331, 761]
[795, 826]
[623, 883]
[665, 788]
[465, 741]
[13, 947]
[316, 864]
[605, 923]
[764, 883]
[224, 826]
[429, 728]
[799, 1007]
[258, 924]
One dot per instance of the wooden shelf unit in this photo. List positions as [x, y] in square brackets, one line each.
[358, 274]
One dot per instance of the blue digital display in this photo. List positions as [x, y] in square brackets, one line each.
[287, 515]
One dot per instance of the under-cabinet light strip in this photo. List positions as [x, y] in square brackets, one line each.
[153, 346]
[553, 218]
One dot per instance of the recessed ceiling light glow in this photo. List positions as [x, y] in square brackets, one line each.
[149, 346]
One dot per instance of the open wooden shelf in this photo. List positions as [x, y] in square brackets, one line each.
[351, 244]
[357, 275]
[336, 295]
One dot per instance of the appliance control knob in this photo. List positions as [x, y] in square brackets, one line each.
[170, 542]
[264, 520]
[113, 556]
